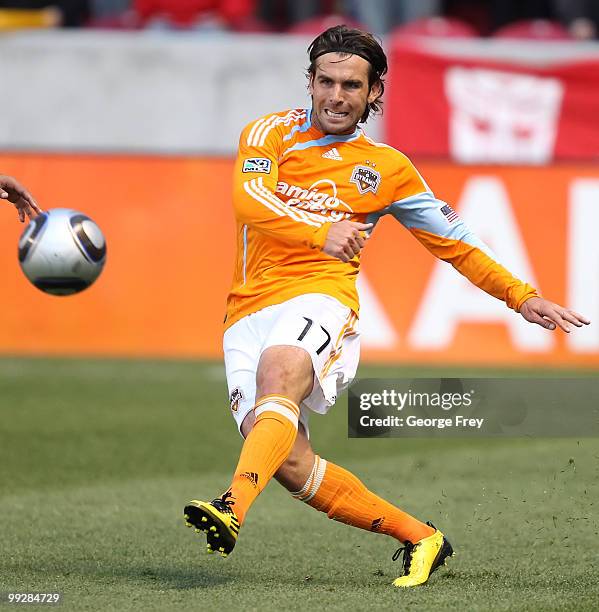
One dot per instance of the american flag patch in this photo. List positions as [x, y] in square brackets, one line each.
[450, 214]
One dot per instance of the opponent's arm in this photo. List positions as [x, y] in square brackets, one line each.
[445, 235]
[13, 191]
[254, 190]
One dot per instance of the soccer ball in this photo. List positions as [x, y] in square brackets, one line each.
[62, 251]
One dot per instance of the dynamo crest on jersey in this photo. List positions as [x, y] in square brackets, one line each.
[257, 164]
[366, 179]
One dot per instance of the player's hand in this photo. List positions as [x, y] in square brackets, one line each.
[346, 239]
[13, 191]
[550, 315]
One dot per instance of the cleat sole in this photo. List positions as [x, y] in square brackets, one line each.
[217, 534]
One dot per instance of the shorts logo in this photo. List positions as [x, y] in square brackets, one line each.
[366, 179]
[236, 398]
[257, 164]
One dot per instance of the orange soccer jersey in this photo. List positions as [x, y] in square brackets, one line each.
[292, 181]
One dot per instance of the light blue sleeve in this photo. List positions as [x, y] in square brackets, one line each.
[425, 212]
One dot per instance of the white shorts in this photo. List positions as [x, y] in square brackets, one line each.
[318, 323]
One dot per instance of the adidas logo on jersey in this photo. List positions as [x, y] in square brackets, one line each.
[332, 154]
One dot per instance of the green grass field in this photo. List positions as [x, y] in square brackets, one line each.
[97, 459]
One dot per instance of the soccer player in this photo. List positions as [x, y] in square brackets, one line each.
[309, 186]
[13, 191]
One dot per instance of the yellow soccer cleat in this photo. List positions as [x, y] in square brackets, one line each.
[420, 560]
[217, 520]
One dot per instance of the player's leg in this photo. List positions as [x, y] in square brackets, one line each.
[331, 489]
[270, 358]
[284, 377]
[339, 493]
[299, 336]
[343, 497]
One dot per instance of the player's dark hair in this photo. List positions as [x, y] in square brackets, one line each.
[341, 39]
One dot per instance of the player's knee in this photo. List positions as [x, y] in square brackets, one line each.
[285, 370]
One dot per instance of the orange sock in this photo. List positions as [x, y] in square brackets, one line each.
[344, 498]
[264, 450]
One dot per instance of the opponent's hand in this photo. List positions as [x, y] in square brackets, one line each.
[345, 239]
[550, 315]
[13, 191]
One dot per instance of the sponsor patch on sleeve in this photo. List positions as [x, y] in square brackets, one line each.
[257, 164]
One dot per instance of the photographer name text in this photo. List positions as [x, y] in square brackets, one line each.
[421, 422]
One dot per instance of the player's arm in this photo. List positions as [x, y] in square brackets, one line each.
[13, 191]
[445, 235]
[255, 200]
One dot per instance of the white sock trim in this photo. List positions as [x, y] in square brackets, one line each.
[279, 409]
[310, 488]
[308, 482]
[317, 480]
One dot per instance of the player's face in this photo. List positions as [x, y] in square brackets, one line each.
[339, 90]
